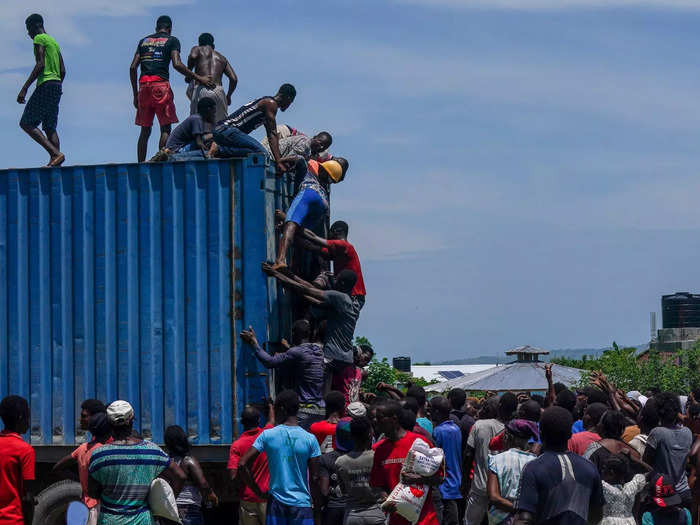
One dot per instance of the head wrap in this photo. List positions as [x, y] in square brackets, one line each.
[523, 428]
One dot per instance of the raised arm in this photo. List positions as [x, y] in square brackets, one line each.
[133, 76]
[269, 361]
[551, 395]
[40, 62]
[306, 290]
[232, 81]
[182, 69]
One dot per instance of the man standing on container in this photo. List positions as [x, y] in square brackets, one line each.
[207, 62]
[152, 93]
[42, 108]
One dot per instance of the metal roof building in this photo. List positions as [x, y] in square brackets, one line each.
[526, 374]
[446, 372]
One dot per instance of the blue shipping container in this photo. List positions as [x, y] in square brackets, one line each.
[133, 281]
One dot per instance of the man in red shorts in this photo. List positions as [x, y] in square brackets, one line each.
[152, 93]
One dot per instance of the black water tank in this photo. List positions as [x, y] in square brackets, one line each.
[681, 310]
[402, 364]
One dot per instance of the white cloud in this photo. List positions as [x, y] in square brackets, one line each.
[525, 5]
[62, 19]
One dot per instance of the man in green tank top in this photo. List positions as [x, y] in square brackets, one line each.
[42, 107]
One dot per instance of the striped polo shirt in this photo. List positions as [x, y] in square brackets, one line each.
[125, 473]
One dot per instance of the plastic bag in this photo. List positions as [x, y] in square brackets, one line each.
[409, 500]
[161, 500]
[423, 460]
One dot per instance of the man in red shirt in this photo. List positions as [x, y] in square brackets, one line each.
[252, 510]
[337, 249]
[389, 456]
[16, 464]
[324, 431]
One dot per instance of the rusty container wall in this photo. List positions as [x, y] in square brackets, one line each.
[133, 281]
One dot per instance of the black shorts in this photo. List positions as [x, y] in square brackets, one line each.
[42, 106]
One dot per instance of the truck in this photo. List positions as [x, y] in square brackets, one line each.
[134, 281]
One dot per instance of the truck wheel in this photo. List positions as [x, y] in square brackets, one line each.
[53, 502]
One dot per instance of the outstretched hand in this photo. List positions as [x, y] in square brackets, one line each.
[268, 269]
[248, 336]
[548, 371]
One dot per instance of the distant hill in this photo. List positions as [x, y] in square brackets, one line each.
[571, 353]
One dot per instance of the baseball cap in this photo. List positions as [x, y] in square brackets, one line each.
[663, 492]
[343, 438]
[356, 409]
[120, 413]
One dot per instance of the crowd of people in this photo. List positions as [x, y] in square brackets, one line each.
[593, 455]
[330, 453]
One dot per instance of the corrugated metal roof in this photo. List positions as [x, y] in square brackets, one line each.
[432, 372]
[515, 376]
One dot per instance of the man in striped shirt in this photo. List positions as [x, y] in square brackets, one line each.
[121, 472]
[231, 136]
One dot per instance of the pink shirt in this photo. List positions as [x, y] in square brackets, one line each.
[82, 455]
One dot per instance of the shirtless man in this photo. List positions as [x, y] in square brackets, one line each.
[207, 62]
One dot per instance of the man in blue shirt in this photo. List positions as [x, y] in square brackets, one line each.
[448, 437]
[293, 459]
[559, 487]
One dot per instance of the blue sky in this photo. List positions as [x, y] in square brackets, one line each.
[522, 172]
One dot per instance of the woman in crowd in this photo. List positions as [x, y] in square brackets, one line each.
[189, 501]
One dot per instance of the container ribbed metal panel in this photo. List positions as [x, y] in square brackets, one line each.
[133, 281]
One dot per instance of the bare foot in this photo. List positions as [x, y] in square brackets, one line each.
[161, 156]
[56, 161]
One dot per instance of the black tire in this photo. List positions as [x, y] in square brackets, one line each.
[53, 501]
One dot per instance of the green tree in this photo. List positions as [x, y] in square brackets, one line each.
[361, 340]
[677, 372]
[378, 372]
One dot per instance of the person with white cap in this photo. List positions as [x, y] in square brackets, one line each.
[122, 471]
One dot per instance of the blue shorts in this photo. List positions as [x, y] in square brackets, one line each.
[281, 514]
[307, 209]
